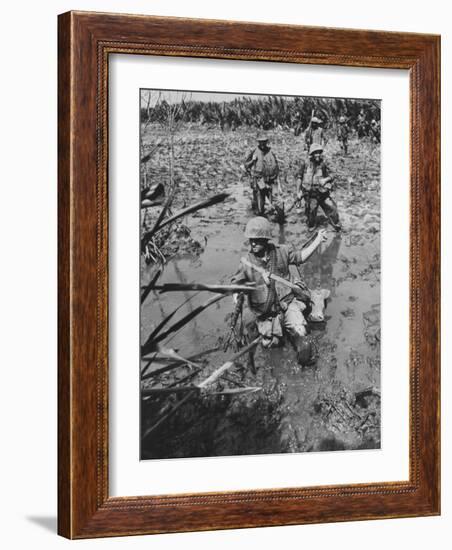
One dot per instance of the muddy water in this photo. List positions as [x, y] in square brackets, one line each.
[297, 409]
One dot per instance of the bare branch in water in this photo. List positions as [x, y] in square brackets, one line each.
[150, 286]
[221, 289]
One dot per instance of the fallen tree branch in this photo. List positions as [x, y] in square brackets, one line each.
[226, 366]
[194, 391]
[151, 286]
[174, 287]
[149, 234]
[159, 224]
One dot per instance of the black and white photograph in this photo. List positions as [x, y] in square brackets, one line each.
[259, 274]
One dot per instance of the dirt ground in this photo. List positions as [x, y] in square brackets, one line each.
[333, 405]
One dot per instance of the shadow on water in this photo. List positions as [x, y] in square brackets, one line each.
[220, 426]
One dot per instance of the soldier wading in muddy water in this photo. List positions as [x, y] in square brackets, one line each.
[314, 133]
[278, 303]
[263, 168]
[314, 185]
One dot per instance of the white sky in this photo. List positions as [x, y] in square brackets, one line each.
[176, 95]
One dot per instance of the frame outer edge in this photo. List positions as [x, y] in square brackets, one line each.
[431, 266]
[64, 278]
[425, 275]
[438, 175]
[79, 513]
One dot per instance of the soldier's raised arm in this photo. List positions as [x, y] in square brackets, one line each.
[297, 257]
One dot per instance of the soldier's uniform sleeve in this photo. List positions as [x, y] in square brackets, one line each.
[250, 159]
[277, 164]
[326, 172]
[294, 257]
[240, 277]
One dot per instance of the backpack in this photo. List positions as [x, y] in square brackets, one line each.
[266, 164]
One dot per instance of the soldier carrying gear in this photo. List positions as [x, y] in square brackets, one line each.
[361, 124]
[314, 186]
[374, 131]
[263, 167]
[314, 133]
[342, 134]
[276, 304]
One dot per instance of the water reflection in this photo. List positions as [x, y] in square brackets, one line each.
[319, 271]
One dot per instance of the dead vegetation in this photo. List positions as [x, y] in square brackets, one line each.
[353, 418]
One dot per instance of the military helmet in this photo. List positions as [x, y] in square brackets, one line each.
[315, 148]
[258, 228]
[261, 137]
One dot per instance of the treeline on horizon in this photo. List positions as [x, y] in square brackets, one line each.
[264, 113]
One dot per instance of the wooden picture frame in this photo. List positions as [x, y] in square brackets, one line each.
[85, 42]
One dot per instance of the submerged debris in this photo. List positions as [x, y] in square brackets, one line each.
[353, 418]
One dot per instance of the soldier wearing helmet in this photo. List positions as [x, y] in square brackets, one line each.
[374, 131]
[314, 185]
[263, 168]
[277, 309]
[361, 124]
[314, 133]
[342, 133]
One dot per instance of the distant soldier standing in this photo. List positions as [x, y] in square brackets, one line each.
[375, 131]
[314, 185]
[314, 133]
[361, 125]
[342, 134]
[297, 123]
[278, 306]
[263, 167]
